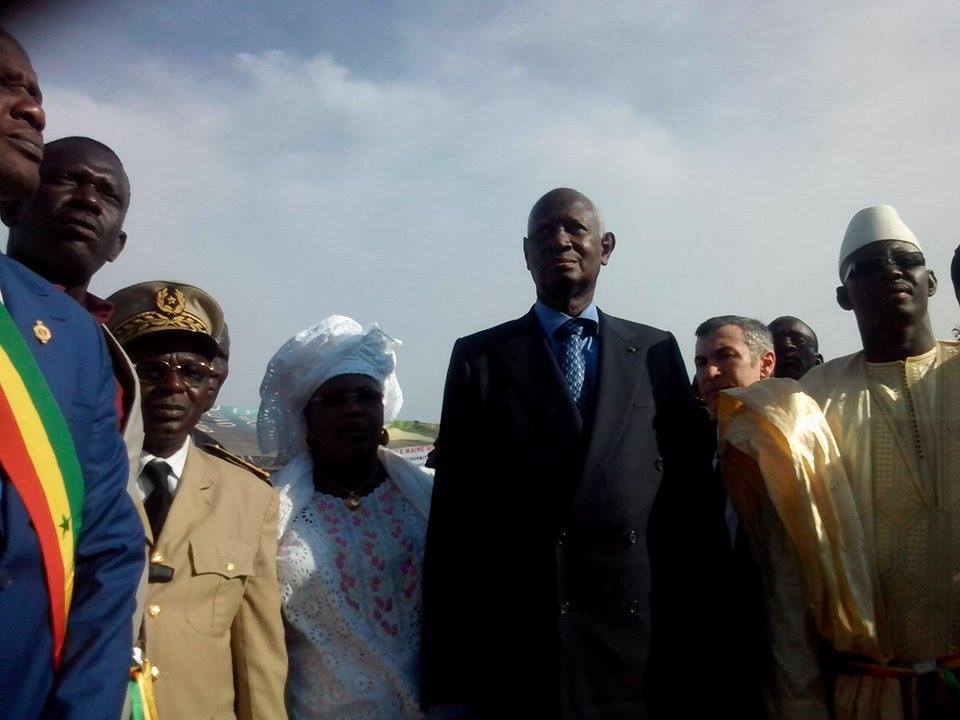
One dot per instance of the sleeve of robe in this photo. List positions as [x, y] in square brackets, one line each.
[795, 688]
[785, 475]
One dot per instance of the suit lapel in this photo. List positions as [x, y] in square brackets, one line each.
[546, 414]
[24, 302]
[192, 501]
[621, 363]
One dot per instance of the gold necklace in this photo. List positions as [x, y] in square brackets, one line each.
[353, 498]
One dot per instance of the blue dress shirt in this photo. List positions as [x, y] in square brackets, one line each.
[550, 322]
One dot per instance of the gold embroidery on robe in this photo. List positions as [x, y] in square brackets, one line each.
[862, 463]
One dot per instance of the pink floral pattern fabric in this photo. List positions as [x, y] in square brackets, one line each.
[350, 584]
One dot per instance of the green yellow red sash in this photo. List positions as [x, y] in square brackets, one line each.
[39, 459]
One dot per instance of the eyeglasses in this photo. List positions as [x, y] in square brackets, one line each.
[193, 374]
[872, 266]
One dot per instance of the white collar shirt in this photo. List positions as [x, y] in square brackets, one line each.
[176, 463]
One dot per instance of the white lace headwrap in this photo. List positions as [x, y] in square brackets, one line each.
[335, 346]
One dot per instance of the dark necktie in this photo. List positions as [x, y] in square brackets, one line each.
[573, 364]
[158, 502]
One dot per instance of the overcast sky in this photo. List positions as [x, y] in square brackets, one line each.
[378, 159]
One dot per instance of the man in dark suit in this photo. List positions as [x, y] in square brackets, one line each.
[557, 573]
[731, 352]
[56, 663]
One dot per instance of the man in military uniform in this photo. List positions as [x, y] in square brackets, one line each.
[213, 624]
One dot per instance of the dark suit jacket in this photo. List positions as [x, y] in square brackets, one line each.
[557, 570]
[109, 555]
[734, 622]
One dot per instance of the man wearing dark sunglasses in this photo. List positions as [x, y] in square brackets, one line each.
[212, 623]
[861, 500]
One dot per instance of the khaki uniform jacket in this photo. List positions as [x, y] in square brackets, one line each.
[215, 631]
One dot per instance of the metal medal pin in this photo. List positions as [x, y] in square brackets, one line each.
[42, 332]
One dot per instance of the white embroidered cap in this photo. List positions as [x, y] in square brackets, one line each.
[872, 224]
[338, 345]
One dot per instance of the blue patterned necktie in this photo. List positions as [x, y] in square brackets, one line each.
[573, 365]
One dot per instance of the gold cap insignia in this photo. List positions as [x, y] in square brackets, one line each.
[170, 301]
[162, 305]
[42, 332]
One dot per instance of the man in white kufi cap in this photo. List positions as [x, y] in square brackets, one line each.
[848, 481]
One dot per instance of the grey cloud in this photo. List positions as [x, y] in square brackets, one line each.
[728, 148]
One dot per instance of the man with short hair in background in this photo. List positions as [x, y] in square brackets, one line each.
[732, 351]
[850, 483]
[205, 441]
[796, 346]
[66, 232]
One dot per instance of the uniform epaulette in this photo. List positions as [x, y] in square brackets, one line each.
[220, 452]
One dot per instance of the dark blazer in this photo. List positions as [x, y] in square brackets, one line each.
[557, 570]
[109, 555]
[734, 622]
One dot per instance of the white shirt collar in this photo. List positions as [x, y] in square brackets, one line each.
[176, 463]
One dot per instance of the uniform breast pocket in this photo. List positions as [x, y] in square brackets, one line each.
[220, 572]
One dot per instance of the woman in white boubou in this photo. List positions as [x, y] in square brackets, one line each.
[353, 518]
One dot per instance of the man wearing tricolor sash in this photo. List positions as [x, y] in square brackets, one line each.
[71, 545]
[850, 483]
[65, 232]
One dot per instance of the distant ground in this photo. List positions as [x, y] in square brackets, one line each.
[235, 428]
